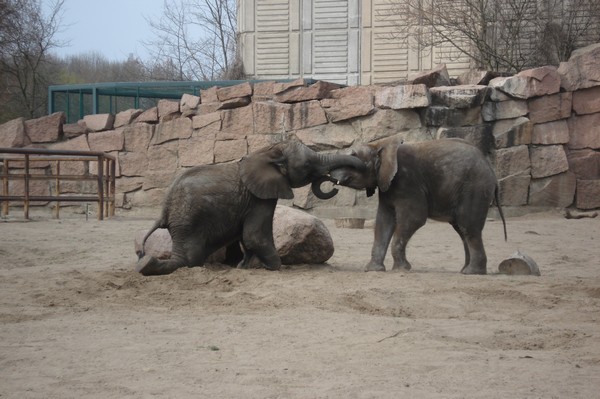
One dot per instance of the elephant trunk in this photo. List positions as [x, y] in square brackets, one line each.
[316, 188]
[329, 162]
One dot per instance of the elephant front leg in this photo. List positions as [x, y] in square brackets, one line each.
[257, 236]
[384, 228]
[248, 257]
[406, 226]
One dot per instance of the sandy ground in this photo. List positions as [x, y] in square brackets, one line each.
[78, 322]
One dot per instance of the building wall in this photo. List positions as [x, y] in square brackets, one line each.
[343, 41]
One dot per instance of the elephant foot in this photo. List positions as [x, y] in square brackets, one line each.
[254, 263]
[401, 267]
[150, 266]
[469, 269]
[375, 267]
[273, 267]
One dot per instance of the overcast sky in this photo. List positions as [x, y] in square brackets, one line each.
[113, 28]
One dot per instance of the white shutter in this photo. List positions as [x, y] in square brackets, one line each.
[335, 41]
[273, 40]
[389, 60]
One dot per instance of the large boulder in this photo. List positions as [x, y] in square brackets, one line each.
[513, 169]
[316, 91]
[124, 118]
[233, 92]
[586, 101]
[438, 76]
[550, 108]
[509, 109]
[588, 194]
[548, 160]
[584, 131]
[168, 110]
[47, 129]
[12, 134]
[402, 96]
[529, 83]
[110, 140]
[555, 132]
[300, 238]
[554, 191]
[513, 132]
[348, 103]
[463, 96]
[581, 71]
[99, 122]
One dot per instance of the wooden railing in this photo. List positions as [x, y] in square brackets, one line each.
[16, 165]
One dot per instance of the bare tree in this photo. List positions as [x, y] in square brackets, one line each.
[194, 40]
[566, 25]
[94, 67]
[27, 36]
[501, 35]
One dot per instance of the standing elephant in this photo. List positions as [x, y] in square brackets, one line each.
[211, 206]
[446, 180]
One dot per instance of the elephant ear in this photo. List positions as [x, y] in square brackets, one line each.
[387, 157]
[264, 174]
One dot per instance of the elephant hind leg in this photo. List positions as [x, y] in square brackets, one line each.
[188, 255]
[464, 241]
[478, 259]
[150, 266]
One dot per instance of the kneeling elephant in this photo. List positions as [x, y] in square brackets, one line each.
[211, 206]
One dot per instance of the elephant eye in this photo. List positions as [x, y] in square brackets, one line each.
[353, 152]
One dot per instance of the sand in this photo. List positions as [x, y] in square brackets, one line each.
[78, 322]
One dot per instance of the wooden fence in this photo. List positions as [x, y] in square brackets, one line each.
[55, 167]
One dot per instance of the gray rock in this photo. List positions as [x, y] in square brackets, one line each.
[513, 132]
[492, 111]
[46, 129]
[438, 76]
[554, 191]
[12, 134]
[464, 96]
[581, 71]
[402, 96]
[99, 122]
[588, 194]
[300, 237]
[548, 160]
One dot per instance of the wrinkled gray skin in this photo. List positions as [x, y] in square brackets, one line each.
[212, 206]
[447, 180]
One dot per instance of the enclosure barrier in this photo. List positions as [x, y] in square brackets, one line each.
[16, 164]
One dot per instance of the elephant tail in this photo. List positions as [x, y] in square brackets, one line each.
[500, 211]
[160, 223]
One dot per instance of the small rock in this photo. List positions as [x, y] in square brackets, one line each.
[438, 76]
[350, 223]
[519, 264]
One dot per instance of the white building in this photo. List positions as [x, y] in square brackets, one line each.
[352, 42]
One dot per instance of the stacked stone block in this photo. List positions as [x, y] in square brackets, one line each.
[540, 129]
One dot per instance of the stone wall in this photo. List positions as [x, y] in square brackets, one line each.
[540, 128]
